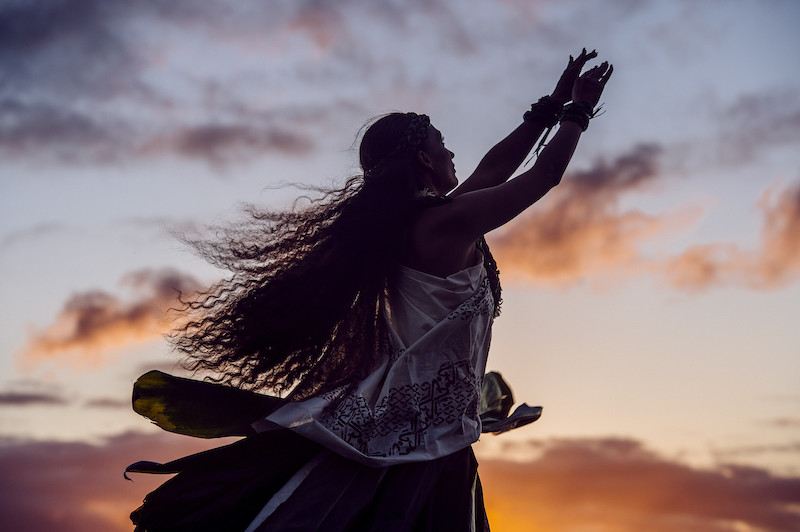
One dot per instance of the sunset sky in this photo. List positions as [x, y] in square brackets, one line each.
[651, 301]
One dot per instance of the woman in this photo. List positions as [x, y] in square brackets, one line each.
[372, 309]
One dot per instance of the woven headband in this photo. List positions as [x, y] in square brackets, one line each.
[416, 132]
[414, 135]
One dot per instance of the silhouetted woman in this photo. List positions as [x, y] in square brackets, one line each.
[370, 311]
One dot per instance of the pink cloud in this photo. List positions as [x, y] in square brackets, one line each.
[570, 486]
[775, 263]
[93, 322]
[78, 487]
[580, 229]
[618, 485]
[221, 144]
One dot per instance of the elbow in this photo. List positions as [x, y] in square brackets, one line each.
[552, 174]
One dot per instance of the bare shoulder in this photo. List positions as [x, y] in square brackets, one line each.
[434, 246]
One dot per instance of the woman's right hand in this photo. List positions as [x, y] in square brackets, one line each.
[589, 86]
[563, 89]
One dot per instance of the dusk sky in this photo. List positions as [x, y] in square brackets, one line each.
[651, 301]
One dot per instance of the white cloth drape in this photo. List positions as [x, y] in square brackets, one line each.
[421, 400]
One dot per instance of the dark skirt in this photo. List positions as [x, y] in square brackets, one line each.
[224, 489]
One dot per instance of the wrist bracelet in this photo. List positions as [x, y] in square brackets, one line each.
[578, 112]
[546, 111]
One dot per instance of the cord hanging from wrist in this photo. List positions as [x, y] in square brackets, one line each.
[547, 111]
[580, 112]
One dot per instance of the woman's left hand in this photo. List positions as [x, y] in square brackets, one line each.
[563, 91]
[590, 85]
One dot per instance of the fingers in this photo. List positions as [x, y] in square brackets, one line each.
[604, 77]
[599, 72]
[584, 57]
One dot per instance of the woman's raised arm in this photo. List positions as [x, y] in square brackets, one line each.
[442, 238]
[506, 156]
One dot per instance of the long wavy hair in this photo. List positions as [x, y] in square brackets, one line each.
[301, 310]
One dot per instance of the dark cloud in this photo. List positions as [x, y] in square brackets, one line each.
[627, 172]
[109, 402]
[45, 131]
[85, 80]
[25, 128]
[224, 144]
[77, 487]
[580, 228]
[77, 80]
[31, 234]
[74, 46]
[570, 486]
[93, 322]
[758, 122]
[784, 422]
[11, 398]
[617, 484]
[730, 453]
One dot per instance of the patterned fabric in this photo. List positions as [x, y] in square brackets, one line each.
[407, 412]
[421, 401]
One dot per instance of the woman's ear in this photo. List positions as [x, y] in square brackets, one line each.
[424, 159]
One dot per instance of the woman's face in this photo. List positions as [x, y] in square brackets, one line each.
[441, 167]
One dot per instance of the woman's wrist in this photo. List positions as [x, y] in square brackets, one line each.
[578, 112]
[560, 99]
[545, 112]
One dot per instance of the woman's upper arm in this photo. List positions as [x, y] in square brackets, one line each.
[472, 214]
[480, 179]
[443, 238]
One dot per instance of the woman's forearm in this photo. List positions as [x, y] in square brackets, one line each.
[528, 187]
[505, 157]
[553, 160]
[483, 210]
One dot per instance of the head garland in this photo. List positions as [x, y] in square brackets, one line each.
[392, 138]
[416, 132]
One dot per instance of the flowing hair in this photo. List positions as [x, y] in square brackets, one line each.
[301, 308]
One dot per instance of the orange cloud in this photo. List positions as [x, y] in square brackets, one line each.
[705, 265]
[780, 257]
[93, 322]
[774, 264]
[603, 485]
[580, 230]
[616, 485]
[321, 22]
